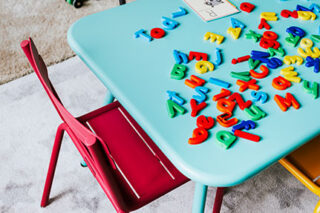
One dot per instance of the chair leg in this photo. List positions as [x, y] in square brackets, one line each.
[317, 209]
[109, 98]
[218, 200]
[52, 165]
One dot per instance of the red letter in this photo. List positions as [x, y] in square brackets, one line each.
[222, 120]
[242, 105]
[157, 33]
[194, 81]
[196, 108]
[198, 136]
[285, 103]
[223, 93]
[206, 123]
[198, 56]
[280, 83]
[244, 85]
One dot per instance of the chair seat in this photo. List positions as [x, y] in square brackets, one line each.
[143, 171]
[306, 159]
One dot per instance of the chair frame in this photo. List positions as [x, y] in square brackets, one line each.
[305, 180]
[93, 150]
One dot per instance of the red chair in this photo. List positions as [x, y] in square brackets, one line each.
[129, 167]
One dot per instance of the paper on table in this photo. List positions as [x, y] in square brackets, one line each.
[212, 9]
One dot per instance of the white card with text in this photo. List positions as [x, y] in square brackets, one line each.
[212, 9]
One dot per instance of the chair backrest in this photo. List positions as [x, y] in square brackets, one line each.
[36, 61]
[91, 146]
[82, 134]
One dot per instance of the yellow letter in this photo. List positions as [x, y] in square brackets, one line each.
[203, 67]
[234, 32]
[213, 37]
[306, 15]
[305, 42]
[290, 75]
[269, 16]
[293, 59]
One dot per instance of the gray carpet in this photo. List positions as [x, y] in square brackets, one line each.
[28, 122]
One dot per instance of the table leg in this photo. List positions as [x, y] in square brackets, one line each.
[109, 98]
[83, 163]
[199, 200]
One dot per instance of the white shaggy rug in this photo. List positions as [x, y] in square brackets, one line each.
[28, 122]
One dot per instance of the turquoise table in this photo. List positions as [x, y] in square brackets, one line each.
[137, 73]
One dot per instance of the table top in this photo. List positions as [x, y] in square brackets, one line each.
[138, 74]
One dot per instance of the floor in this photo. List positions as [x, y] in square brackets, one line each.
[28, 122]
